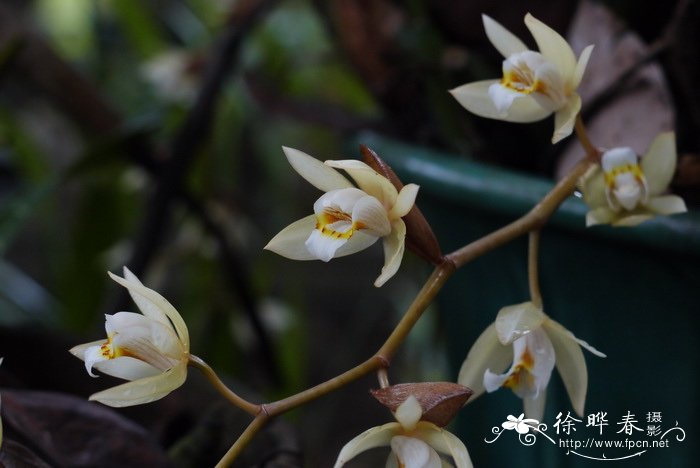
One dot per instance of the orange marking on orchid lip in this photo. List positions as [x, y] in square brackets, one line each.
[332, 215]
[634, 169]
[520, 371]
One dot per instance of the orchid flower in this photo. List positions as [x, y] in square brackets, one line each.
[347, 219]
[525, 336]
[414, 443]
[534, 84]
[150, 349]
[627, 191]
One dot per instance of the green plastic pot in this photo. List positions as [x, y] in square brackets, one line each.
[633, 293]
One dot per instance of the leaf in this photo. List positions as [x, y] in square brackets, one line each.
[82, 434]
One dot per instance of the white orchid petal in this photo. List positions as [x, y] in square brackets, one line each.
[515, 321]
[503, 98]
[667, 205]
[503, 40]
[409, 413]
[493, 381]
[631, 220]
[570, 364]
[159, 302]
[581, 66]
[143, 390]
[659, 163]
[553, 47]
[475, 98]
[315, 172]
[290, 241]
[342, 200]
[147, 308]
[486, 353]
[542, 352]
[126, 368]
[371, 216]
[444, 442]
[371, 438]
[394, 246]
[404, 202]
[323, 247]
[534, 406]
[368, 180]
[79, 350]
[414, 453]
[565, 118]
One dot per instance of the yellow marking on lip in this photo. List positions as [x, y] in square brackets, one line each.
[333, 215]
[634, 169]
[521, 371]
[522, 83]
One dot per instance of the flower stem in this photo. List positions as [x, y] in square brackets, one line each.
[533, 220]
[245, 438]
[533, 248]
[591, 151]
[383, 378]
[214, 379]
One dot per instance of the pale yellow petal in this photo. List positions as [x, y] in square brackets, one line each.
[601, 215]
[553, 47]
[444, 442]
[289, 242]
[394, 245]
[405, 201]
[475, 98]
[570, 364]
[375, 437]
[565, 118]
[144, 390]
[515, 321]
[581, 66]
[486, 353]
[593, 187]
[157, 302]
[659, 163]
[147, 308]
[631, 220]
[315, 172]
[371, 216]
[368, 180]
[409, 413]
[667, 205]
[503, 40]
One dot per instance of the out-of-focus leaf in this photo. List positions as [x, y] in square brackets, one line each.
[139, 25]
[23, 300]
[82, 434]
[69, 24]
[15, 212]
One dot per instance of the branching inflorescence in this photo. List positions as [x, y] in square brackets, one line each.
[519, 350]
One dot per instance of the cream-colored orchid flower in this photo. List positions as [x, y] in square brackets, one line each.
[626, 191]
[534, 343]
[534, 84]
[347, 219]
[150, 349]
[414, 443]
